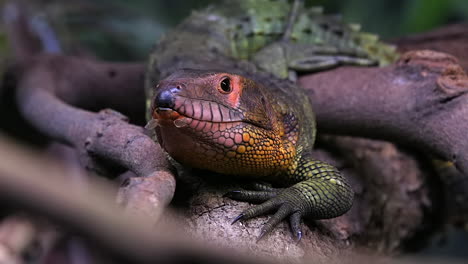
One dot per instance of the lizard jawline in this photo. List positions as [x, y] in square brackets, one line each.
[166, 115]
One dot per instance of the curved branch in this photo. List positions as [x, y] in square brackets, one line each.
[104, 135]
[422, 100]
[51, 90]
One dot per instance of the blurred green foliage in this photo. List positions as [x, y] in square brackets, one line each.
[126, 30]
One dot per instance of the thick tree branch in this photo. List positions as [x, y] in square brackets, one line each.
[52, 92]
[421, 100]
[104, 135]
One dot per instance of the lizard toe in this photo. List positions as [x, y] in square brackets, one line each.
[258, 210]
[251, 196]
[283, 208]
[295, 224]
[283, 212]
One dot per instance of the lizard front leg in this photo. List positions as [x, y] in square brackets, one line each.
[281, 57]
[320, 192]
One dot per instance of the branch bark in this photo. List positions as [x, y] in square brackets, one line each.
[421, 101]
[97, 136]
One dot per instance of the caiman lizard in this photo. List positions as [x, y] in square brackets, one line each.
[222, 99]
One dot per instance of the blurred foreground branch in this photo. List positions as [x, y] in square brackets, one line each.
[24, 238]
[37, 184]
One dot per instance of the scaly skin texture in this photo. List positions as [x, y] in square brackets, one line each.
[212, 109]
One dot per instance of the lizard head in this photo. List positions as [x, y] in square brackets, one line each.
[206, 118]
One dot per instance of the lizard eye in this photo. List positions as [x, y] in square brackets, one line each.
[225, 85]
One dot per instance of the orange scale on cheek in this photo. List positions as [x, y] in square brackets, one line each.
[245, 137]
[241, 149]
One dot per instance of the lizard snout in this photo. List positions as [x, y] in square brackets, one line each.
[165, 99]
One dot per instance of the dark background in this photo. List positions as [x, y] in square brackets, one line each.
[125, 30]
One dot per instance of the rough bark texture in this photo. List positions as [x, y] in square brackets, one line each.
[420, 102]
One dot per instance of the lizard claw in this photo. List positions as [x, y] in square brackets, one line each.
[239, 217]
[261, 236]
[295, 224]
[298, 237]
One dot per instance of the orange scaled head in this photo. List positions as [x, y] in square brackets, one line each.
[205, 117]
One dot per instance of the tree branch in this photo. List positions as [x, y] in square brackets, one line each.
[105, 135]
[420, 101]
[54, 90]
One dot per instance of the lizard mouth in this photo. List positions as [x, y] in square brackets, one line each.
[199, 114]
[168, 116]
[196, 109]
[164, 113]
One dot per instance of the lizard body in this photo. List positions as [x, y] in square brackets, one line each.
[223, 101]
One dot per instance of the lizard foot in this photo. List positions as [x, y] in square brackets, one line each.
[281, 200]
